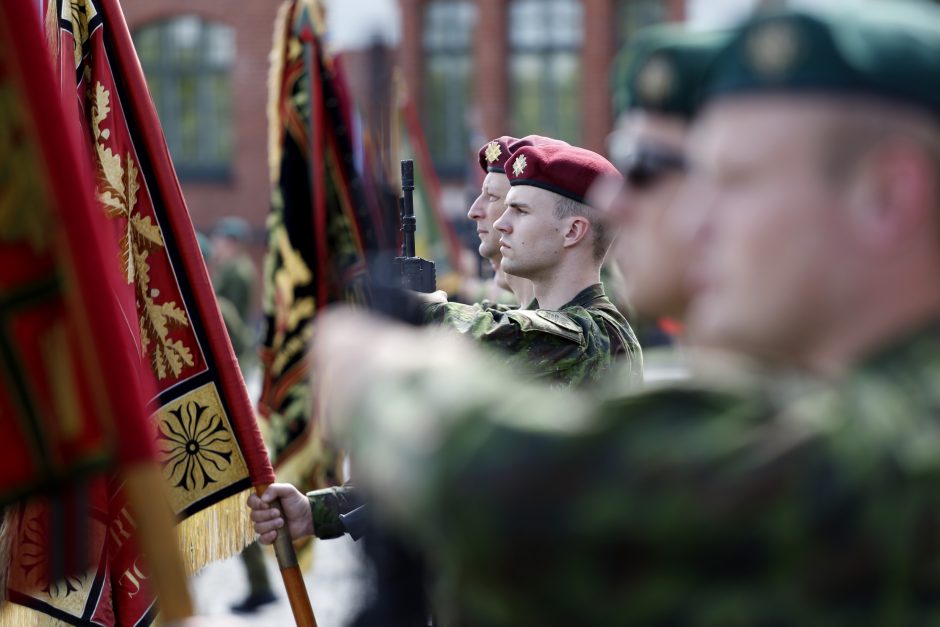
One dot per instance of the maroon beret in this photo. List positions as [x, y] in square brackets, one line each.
[566, 170]
[535, 140]
[493, 154]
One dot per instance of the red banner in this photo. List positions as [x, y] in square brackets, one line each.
[168, 333]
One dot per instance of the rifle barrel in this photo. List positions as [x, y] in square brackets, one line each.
[408, 210]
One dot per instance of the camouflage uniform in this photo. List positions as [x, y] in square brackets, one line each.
[235, 281]
[327, 505]
[683, 506]
[574, 345]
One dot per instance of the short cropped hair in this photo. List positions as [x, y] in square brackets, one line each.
[855, 128]
[602, 236]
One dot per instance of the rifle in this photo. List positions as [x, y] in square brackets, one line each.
[416, 273]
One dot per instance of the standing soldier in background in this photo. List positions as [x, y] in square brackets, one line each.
[551, 235]
[233, 278]
[819, 238]
[233, 273]
[490, 205]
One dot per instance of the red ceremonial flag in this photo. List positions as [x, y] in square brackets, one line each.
[169, 325]
[71, 405]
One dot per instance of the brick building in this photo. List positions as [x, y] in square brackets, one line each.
[474, 69]
[207, 65]
[516, 67]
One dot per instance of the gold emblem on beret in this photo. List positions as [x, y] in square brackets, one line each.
[518, 166]
[493, 151]
[657, 80]
[773, 48]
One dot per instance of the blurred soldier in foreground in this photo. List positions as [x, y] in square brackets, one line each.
[818, 159]
[659, 92]
[657, 84]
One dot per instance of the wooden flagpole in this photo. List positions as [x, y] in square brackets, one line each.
[290, 572]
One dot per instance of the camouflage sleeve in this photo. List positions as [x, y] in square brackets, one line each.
[692, 505]
[326, 505]
[549, 343]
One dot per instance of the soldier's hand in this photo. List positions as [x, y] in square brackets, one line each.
[267, 518]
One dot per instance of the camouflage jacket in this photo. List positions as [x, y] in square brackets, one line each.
[682, 506]
[235, 281]
[574, 345]
[327, 505]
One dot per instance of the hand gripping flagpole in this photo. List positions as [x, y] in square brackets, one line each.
[290, 572]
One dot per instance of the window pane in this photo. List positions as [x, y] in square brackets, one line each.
[448, 40]
[544, 67]
[221, 111]
[220, 45]
[188, 62]
[184, 38]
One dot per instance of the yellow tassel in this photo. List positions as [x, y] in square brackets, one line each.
[8, 530]
[12, 615]
[216, 533]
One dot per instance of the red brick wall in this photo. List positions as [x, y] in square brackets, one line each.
[491, 70]
[247, 193]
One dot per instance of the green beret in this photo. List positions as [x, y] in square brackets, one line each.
[662, 69]
[885, 49]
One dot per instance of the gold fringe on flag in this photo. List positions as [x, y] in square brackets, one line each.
[8, 530]
[13, 615]
[215, 533]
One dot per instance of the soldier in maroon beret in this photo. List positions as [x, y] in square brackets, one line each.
[551, 235]
[491, 203]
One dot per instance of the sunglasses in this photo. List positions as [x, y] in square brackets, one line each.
[644, 166]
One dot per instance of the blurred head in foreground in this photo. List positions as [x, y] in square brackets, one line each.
[815, 194]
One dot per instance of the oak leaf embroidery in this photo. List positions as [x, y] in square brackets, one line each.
[118, 187]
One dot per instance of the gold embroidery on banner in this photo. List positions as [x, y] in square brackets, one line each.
[70, 595]
[79, 14]
[117, 191]
[197, 448]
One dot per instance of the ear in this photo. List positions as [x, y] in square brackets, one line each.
[895, 196]
[576, 229]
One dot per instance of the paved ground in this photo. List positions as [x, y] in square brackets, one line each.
[334, 582]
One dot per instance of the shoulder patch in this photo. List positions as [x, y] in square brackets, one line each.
[557, 318]
[551, 322]
[529, 320]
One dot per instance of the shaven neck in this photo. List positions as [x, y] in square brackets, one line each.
[520, 288]
[569, 279]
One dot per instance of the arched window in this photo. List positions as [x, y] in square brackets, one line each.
[545, 38]
[188, 62]
[448, 39]
[635, 14]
